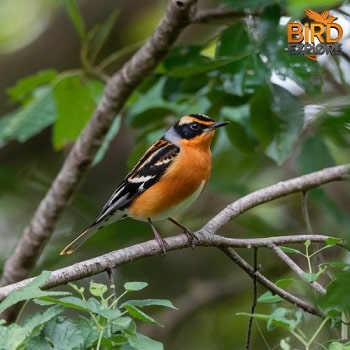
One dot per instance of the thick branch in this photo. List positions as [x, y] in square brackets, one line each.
[118, 89]
[142, 250]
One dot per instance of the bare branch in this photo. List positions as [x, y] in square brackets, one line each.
[295, 267]
[150, 248]
[206, 236]
[118, 89]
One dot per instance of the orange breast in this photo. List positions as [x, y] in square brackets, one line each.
[187, 173]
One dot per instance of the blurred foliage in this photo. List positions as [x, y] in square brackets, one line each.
[288, 116]
[22, 21]
[109, 323]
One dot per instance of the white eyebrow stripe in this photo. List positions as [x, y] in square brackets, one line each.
[138, 179]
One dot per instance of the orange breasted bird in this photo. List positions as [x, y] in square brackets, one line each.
[167, 179]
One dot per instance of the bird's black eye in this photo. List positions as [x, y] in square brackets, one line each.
[194, 126]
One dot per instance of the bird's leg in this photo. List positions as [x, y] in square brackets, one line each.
[162, 244]
[190, 235]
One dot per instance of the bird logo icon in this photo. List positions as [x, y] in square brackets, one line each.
[317, 35]
[322, 17]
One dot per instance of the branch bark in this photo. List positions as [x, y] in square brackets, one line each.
[119, 87]
[120, 257]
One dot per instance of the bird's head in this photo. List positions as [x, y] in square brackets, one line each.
[194, 128]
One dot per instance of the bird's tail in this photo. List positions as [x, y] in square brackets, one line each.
[74, 245]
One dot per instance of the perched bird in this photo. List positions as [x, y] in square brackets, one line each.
[168, 178]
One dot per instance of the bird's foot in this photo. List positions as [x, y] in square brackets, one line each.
[191, 237]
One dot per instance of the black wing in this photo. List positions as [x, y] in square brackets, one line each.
[145, 173]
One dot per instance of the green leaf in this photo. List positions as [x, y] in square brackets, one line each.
[15, 337]
[135, 286]
[338, 346]
[12, 337]
[63, 333]
[269, 298]
[194, 68]
[290, 250]
[338, 291]
[97, 289]
[30, 119]
[234, 42]
[310, 277]
[141, 342]
[146, 108]
[314, 155]
[276, 118]
[88, 331]
[75, 105]
[102, 34]
[332, 241]
[187, 62]
[26, 86]
[67, 302]
[30, 291]
[238, 130]
[123, 322]
[280, 317]
[33, 323]
[150, 302]
[285, 282]
[140, 315]
[76, 17]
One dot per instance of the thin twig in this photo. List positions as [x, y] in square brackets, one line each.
[255, 299]
[295, 267]
[234, 256]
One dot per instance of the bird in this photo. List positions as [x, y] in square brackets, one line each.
[322, 17]
[166, 180]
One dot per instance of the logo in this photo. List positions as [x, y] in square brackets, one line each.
[320, 36]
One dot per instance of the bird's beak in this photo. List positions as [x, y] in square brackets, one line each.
[216, 125]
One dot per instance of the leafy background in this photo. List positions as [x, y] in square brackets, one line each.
[288, 116]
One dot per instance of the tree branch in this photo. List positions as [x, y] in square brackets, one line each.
[206, 236]
[281, 189]
[120, 257]
[119, 87]
[270, 285]
[295, 267]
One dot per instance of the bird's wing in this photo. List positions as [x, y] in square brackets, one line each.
[325, 14]
[145, 173]
[313, 15]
